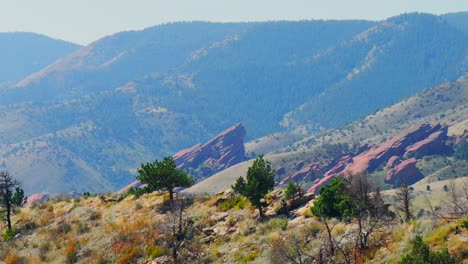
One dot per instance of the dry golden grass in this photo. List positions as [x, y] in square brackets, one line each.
[132, 230]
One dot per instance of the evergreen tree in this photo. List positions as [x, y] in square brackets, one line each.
[260, 180]
[163, 175]
[333, 200]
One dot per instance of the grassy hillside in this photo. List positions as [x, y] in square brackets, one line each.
[111, 229]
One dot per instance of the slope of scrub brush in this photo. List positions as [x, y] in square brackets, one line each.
[114, 229]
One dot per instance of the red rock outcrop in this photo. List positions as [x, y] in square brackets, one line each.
[392, 162]
[330, 174]
[299, 165]
[369, 160]
[37, 198]
[304, 173]
[434, 144]
[221, 152]
[406, 171]
[134, 184]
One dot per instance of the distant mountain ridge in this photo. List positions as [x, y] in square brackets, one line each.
[134, 96]
[23, 54]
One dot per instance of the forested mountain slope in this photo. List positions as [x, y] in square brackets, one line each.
[134, 96]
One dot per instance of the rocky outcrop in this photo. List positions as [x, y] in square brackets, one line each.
[419, 138]
[330, 174]
[305, 173]
[37, 198]
[134, 184]
[406, 171]
[221, 152]
[432, 145]
[392, 162]
[299, 165]
[370, 160]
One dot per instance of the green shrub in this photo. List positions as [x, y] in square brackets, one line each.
[237, 202]
[464, 223]
[8, 234]
[290, 191]
[156, 251]
[274, 224]
[137, 192]
[421, 254]
[440, 234]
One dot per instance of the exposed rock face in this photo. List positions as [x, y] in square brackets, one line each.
[424, 139]
[406, 171]
[299, 165]
[330, 174]
[37, 198]
[221, 152]
[304, 173]
[434, 144]
[392, 162]
[370, 160]
[340, 166]
[135, 184]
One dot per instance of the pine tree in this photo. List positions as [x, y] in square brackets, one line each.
[260, 180]
[163, 175]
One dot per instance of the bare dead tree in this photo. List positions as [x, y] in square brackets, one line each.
[179, 231]
[303, 246]
[403, 199]
[295, 248]
[457, 199]
[370, 212]
[333, 245]
[11, 194]
[456, 204]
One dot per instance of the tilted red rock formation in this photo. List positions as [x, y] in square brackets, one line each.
[330, 174]
[368, 161]
[37, 198]
[304, 173]
[221, 152]
[392, 162]
[406, 171]
[434, 144]
[134, 184]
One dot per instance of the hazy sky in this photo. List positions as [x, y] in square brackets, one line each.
[83, 21]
